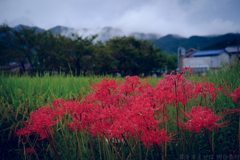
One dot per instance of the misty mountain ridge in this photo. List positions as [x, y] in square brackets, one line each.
[168, 43]
[103, 33]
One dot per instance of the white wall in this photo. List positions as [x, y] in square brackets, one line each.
[206, 62]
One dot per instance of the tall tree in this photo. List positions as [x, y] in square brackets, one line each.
[51, 51]
[125, 53]
[9, 48]
[135, 56]
[171, 61]
[25, 39]
[82, 54]
[6, 41]
[104, 63]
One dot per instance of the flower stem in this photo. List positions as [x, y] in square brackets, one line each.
[146, 154]
[32, 146]
[89, 155]
[188, 143]
[91, 145]
[79, 147]
[24, 151]
[157, 147]
[177, 110]
[239, 134]
[99, 146]
[65, 138]
[114, 149]
[104, 153]
[129, 147]
[51, 144]
[157, 150]
[130, 153]
[209, 143]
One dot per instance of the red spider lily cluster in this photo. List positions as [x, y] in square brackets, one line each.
[202, 117]
[206, 88]
[40, 122]
[129, 108]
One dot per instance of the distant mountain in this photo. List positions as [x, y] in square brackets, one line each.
[170, 43]
[16, 28]
[63, 31]
[224, 41]
[103, 33]
[147, 36]
[108, 32]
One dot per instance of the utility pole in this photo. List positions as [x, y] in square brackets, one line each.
[181, 51]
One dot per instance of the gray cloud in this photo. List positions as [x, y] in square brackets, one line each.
[183, 17]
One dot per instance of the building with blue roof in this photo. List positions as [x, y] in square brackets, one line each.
[208, 53]
[204, 60]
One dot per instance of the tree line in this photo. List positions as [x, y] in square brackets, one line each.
[45, 51]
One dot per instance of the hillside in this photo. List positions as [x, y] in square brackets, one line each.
[170, 43]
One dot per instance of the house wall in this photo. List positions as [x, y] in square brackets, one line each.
[223, 58]
[207, 61]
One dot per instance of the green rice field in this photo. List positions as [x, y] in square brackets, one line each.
[20, 95]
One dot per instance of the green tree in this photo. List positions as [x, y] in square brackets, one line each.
[81, 53]
[135, 56]
[6, 41]
[24, 40]
[52, 52]
[171, 61]
[10, 48]
[104, 62]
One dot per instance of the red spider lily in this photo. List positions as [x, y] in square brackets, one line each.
[130, 85]
[23, 131]
[228, 91]
[231, 93]
[206, 88]
[40, 122]
[60, 107]
[29, 150]
[157, 135]
[232, 111]
[102, 90]
[188, 69]
[200, 117]
[237, 94]
[174, 89]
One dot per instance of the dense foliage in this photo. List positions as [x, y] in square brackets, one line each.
[45, 51]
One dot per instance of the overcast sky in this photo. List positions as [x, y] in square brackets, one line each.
[182, 17]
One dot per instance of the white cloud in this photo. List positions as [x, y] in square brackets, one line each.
[183, 17]
[172, 17]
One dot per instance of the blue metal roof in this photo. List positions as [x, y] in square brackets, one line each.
[208, 53]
